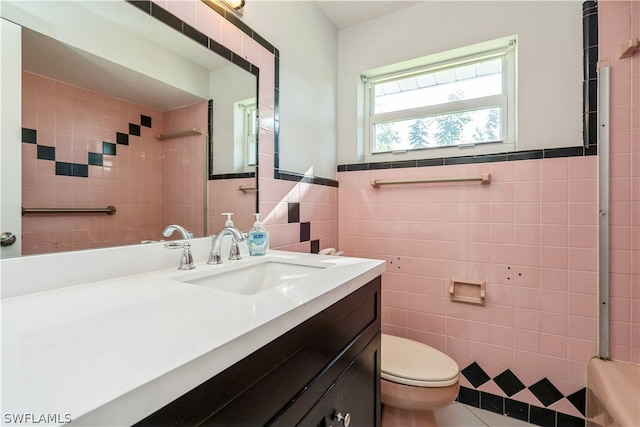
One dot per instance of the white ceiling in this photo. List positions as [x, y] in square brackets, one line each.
[344, 14]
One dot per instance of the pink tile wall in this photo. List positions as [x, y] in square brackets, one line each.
[318, 205]
[76, 121]
[184, 167]
[225, 196]
[531, 235]
[619, 22]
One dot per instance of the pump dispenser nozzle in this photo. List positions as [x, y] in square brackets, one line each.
[229, 222]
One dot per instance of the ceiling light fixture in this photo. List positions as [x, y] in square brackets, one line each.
[233, 5]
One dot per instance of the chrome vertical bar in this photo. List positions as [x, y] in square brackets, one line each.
[603, 211]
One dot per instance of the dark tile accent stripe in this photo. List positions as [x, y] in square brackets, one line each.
[590, 71]
[525, 155]
[195, 35]
[518, 410]
[543, 390]
[166, 17]
[109, 148]
[296, 177]
[546, 392]
[542, 417]
[233, 175]
[145, 121]
[546, 153]
[95, 159]
[515, 409]
[509, 383]
[564, 420]
[122, 138]
[72, 169]
[241, 62]
[469, 397]
[305, 231]
[63, 168]
[293, 214]
[491, 402]
[563, 152]
[30, 136]
[134, 129]
[80, 170]
[177, 24]
[221, 50]
[45, 152]
[579, 400]
[475, 374]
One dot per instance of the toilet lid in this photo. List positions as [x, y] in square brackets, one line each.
[409, 362]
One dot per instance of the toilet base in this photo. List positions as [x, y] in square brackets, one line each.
[394, 417]
[404, 405]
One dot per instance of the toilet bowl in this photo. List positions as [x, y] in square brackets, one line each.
[416, 380]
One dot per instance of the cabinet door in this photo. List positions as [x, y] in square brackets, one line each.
[354, 399]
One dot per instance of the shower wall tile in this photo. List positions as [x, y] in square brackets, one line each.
[618, 24]
[74, 122]
[184, 176]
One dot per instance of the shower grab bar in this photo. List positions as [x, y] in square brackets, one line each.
[245, 188]
[484, 179]
[109, 210]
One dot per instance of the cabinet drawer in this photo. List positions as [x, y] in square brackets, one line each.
[354, 393]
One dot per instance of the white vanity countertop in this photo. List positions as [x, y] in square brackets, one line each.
[112, 352]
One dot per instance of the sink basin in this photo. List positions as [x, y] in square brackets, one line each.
[256, 277]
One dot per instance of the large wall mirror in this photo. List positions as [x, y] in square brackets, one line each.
[120, 109]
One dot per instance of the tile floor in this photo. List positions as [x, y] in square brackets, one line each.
[459, 415]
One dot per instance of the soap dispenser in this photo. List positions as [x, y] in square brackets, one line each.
[258, 238]
[234, 253]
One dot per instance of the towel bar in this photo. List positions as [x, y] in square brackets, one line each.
[484, 179]
[109, 210]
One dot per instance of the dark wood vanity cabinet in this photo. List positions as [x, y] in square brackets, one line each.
[322, 371]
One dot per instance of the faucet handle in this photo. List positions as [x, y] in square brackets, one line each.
[186, 259]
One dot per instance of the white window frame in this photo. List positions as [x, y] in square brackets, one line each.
[251, 134]
[505, 48]
[245, 136]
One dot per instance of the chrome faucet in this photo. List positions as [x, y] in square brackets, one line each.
[168, 231]
[216, 244]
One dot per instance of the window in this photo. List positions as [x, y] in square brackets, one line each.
[246, 135]
[463, 101]
[251, 135]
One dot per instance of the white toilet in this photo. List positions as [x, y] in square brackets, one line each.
[416, 379]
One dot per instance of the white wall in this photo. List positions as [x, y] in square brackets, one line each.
[307, 42]
[549, 63]
[116, 32]
[228, 86]
[10, 136]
